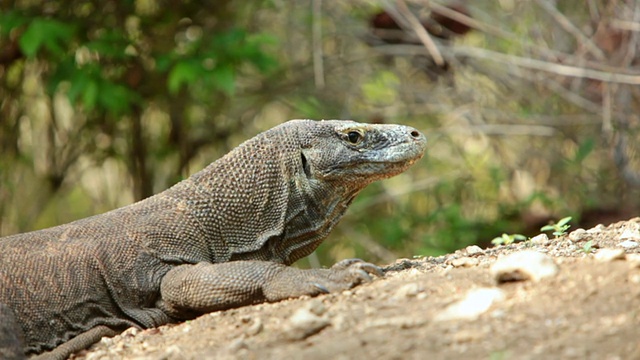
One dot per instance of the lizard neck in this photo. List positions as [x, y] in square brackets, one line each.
[315, 208]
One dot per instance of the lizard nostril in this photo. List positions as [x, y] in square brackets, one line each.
[415, 134]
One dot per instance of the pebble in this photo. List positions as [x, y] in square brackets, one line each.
[474, 304]
[577, 234]
[465, 262]
[596, 229]
[541, 239]
[236, 345]
[629, 244]
[303, 323]
[474, 250]
[408, 290]
[633, 260]
[630, 234]
[607, 255]
[172, 352]
[317, 307]
[255, 328]
[523, 265]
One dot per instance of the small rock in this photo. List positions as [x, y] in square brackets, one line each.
[630, 234]
[475, 303]
[340, 322]
[598, 228]
[474, 250]
[236, 345]
[629, 244]
[130, 332]
[303, 323]
[541, 239]
[465, 261]
[634, 260]
[255, 328]
[606, 255]
[577, 234]
[524, 265]
[317, 307]
[172, 352]
[408, 290]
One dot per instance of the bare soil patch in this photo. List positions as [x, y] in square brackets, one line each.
[589, 310]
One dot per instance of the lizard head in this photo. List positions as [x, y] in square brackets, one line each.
[356, 153]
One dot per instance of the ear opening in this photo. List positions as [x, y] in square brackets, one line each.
[305, 164]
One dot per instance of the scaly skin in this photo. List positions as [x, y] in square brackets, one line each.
[220, 239]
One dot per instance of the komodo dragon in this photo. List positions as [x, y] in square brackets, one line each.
[220, 239]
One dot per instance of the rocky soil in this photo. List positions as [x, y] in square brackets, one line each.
[575, 297]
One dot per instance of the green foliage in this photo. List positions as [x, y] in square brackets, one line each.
[509, 145]
[10, 20]
[506, 239]
[47, 34]
[39, 33]
[587, 248]
[110, 44]
[584, 149]
[560, 228]
[215, 63]
[95, 67]
[90, 87]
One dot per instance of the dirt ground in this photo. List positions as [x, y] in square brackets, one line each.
[589, 310]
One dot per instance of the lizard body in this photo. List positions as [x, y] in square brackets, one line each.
[220, 239]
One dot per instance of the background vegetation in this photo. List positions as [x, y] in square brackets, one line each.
[531, 115]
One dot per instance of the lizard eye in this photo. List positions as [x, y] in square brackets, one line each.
[354, 137]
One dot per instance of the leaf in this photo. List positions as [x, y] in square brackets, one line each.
[79, 81]
[110, 43]
[45, 33]
[547, 228]
[90, 95]
[184, 72]
[116, 98]
[224, 78]
[564, 221]
[584, 150]
[163, 62]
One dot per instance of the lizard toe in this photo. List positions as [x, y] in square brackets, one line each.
[370, 268]
[346, 263]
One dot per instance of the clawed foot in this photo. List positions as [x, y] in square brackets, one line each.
[349, 273]
[346, 274]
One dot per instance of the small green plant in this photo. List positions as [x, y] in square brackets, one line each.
[560, 228]
[587, 248]
[507, 239]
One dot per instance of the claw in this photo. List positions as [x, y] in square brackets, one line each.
[345, 263]
[322, 289]
[364, 275]
[371, 269]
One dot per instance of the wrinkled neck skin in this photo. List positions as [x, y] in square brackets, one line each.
[315, 207]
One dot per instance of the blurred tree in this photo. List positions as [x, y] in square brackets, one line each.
[118, 63]
[534, 116]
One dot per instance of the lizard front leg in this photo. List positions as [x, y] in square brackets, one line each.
[191, 290]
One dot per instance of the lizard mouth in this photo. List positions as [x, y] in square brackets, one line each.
[381, 164]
